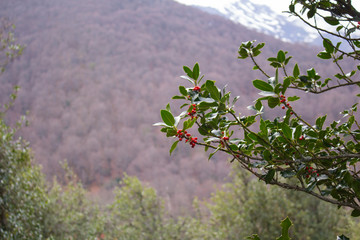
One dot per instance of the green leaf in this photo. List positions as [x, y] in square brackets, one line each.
[267, 155]
[167, 117]
[285, 225]
[188, 123]
[324, 55]
[188, 71]
[286, 84]
[183, 90]
[331, 20]
[173, 146]
[170, 132]
[269, 176]
[262, 85]
[212, 89]
[258, 105]
[212, 154]
[196, 71]
[296, 71]
[293, 98]
[273, 102]
[178, 97]
[297, 132]
[355, 213]
[286, 131]
[329, 47]
[320, 122]
[292, 8]
[168, 107]
[281, 56]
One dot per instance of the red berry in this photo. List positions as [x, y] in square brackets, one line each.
[197, 88]
[283, 107]
[291, 113]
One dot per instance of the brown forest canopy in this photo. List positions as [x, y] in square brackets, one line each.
[95, 73]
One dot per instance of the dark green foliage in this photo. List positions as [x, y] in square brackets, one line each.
[23, 198]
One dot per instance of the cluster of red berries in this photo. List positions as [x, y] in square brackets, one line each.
[223, 139]
[193, 112]
[184, 134]
[310, 171]
[283, 101]
[197, 89]
[301, 138]
[358, 26]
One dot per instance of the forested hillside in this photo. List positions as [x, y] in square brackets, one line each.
[94, 75]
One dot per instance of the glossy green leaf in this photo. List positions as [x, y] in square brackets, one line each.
[331, 20]
[178, 97]
[286, 84]
[296, 71]
[188, 123]
[273, 102]
[173, 146]
[297, 132]
[188, 71]
[170, 132]
[286, 131]
[355, 213]
[293, 98]
[320, 122]
[329, 47]
[262, 85]
[269, 176]
[167, 117]
[324, 55]
[212, 89]
[281, 56]
[196, 71]
[183, 90]
[285, 225]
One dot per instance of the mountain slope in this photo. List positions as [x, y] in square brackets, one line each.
[263, 19]
[95, 74]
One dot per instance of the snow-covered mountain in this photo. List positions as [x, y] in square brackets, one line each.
[261, 18]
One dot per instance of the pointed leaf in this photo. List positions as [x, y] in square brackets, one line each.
[183, 90]
[285, 225]
[173, 146]
[269, 176]
[196, 71]
[281, 56]
[273, 102]
[167, 117]
[331, 20]
[296, 71]
[262, 85]
[287, 131]
[212, 89]
[329, 47]
[188, 71]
